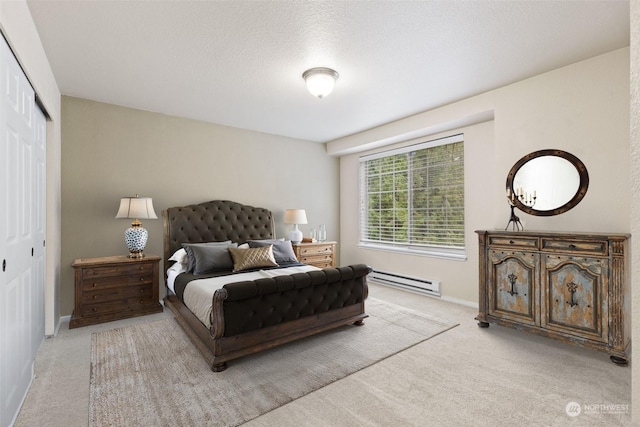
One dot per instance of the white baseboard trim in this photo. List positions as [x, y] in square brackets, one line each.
[460, 302]
[61, 320]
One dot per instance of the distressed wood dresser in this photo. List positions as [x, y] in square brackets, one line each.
[566, 286]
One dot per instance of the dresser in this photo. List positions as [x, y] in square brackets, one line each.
[116, 287]
[320, 254]
[567, 286]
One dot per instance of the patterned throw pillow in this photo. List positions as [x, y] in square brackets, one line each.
[246, 259]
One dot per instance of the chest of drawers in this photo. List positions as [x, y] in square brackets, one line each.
[112, 288]
[321, 254]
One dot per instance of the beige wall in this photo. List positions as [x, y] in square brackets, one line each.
[635, 205]
[19, 30]
[110, 151]
[582, 109]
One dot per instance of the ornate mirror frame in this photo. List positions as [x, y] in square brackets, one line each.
[577, 197]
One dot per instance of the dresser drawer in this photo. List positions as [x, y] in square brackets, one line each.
[592, 247]
[117, 270]
[524, 242]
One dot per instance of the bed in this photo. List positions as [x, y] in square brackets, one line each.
[259, 307]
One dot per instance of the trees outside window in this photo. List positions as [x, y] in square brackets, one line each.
[413, 197]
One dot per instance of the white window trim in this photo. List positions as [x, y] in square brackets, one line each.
[443, 252]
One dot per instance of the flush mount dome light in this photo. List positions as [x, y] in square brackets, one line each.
[320, 80]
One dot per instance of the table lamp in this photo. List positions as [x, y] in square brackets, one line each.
[136, 236]
[295, 217]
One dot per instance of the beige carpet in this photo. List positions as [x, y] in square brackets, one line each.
[152, 375]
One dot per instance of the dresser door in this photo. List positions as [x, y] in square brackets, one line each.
[573, 291]
[511, 286]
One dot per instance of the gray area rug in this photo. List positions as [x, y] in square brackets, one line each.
[152, 374]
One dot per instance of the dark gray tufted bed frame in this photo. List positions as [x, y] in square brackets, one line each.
[256, 315]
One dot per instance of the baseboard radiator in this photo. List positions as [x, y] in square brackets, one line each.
[430, 287]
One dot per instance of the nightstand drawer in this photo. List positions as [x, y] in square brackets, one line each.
[316, 249]
[120, 306]
[117, 270]
[115, 293]
[317, 259]
[115, 282]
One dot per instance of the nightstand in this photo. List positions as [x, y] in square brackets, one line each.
[320, 254]
[116, 287]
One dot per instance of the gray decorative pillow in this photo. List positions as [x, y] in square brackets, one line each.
[208, 257]
[282, 249]
[246, 259]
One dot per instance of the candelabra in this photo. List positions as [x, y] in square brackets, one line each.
[526, 199]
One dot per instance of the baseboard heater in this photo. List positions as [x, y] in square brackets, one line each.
[431, 287]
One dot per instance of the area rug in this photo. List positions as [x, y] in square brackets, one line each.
[152, 375]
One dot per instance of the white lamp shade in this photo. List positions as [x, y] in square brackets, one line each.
[136, 207]
[295, 216]
[320, 81]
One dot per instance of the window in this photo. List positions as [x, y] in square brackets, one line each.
[412, 198]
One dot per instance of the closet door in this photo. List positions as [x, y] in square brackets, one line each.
[38, 208]
[21, 306]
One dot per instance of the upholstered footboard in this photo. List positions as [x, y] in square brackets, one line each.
[252, 316]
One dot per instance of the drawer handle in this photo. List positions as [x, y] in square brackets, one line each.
[94, 309]
[572, 288]
[511, 242]
[141, 268]
[141, 301]
[512, 280]
[572, 246]
[94, 285]
[142, 279]
[141, 290]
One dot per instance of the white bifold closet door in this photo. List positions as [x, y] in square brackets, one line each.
[22, 231]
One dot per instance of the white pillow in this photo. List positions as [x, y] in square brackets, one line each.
[178, 267]
[179, 256]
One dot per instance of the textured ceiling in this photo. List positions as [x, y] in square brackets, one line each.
[239, 63]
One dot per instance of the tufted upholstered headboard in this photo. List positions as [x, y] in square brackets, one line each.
[217, 220]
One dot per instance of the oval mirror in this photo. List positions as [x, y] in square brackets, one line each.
[547, 182]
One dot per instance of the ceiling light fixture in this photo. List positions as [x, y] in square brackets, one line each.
[320, 80]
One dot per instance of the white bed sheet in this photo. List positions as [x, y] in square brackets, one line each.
[198, 294]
